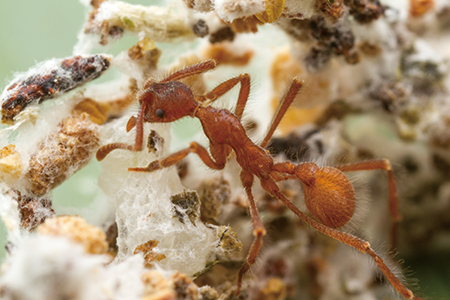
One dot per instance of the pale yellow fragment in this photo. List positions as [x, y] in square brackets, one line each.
[274, 9]
[9, 163]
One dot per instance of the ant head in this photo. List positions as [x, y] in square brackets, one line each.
[167, 102]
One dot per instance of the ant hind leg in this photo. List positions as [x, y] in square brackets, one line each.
[258, 228]
[363, 246]
[224, 87]
[394, 210]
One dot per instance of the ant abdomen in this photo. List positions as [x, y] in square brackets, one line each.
[329, 196]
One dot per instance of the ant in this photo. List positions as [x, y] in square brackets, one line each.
[329, 195]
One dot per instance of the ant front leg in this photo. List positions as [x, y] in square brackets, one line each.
[217, 164]
[224, 87]
[258, 228]
[394, 211]
[138, 144]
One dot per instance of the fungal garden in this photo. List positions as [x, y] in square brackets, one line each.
[297, 103]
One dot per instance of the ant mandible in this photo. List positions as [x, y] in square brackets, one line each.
[329, 195]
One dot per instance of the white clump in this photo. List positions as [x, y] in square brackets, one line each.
[424, 53]
[228, 10]
[144, 210]
[9, 213]
[305, 8]
[58, 268]
[161, 24]
[401, 7]
[55, 269]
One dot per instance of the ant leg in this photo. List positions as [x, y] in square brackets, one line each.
[194, 147]
[282, 108]
[385, 165]
[139, 123]
[258, 228]
[192, 70]
[363, 246]
[224, 87]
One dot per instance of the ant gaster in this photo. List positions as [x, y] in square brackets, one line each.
[329, 195]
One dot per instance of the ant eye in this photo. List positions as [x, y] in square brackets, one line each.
[160, 113]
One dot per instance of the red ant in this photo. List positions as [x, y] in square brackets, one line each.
[329, 195]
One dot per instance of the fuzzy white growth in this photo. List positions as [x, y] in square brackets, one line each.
[57, 268]
[401, 7]
[304, 9]
[117, 88]
[229, 10]
[27, 135]
[144, 211]
[9, 213]
[161, 24]
[423, 53]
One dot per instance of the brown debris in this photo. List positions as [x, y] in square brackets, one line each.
[199, 5]
[146, 54]
[186, 204]
[213, 194]
[224, 54]
[70, 73]
[390, 94]
[62, 153]
[154, 141]
[223, 34]
[274, 289]
[111, 238]
[229, 241]
[365, 11]
[157, 287]
[248, 24]
[182, 169]
[92, 238]
[177, 287]
[331, 39]
[147, 250]
[369, 49]
[331, 9]
[200, 28]
[336, 110]
[420, 7]
[33, 211]
[184, 287]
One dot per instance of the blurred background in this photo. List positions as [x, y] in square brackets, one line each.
[34, 31]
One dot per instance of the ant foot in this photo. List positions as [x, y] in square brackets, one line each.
[153, 166]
